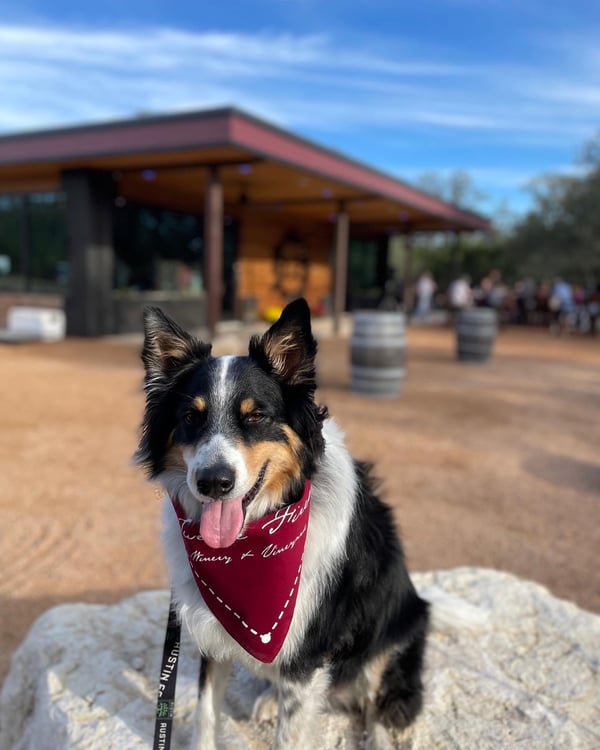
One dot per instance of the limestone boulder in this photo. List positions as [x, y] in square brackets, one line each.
[508, 666]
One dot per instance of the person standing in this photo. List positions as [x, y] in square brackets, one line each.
[425, 289]
[562, 306]
[460, 295]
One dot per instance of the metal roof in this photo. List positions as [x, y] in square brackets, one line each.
[161, 159]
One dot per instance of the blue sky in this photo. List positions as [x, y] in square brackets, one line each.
[504, 89]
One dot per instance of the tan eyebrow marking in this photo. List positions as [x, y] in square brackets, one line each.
[200, 403]
[247, 406]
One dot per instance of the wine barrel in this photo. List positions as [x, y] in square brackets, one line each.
[377, 350]
[476, 329]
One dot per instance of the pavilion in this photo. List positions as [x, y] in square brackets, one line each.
[208, 214]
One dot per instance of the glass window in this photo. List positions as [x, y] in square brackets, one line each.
[12, 272]
[48, 270]
[364, 284]
[33, 243]
[157, 249]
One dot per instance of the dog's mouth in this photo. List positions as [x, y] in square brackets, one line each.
[223, 520]
[256, 487]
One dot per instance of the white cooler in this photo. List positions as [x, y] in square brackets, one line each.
[44, 323]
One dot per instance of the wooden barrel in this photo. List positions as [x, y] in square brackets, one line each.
[476, 329]
[377, 351]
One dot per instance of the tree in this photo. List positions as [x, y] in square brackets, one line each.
[560, 236]
[455, 187]
[448, 255]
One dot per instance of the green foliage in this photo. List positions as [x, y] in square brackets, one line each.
[561, 234]
[474, 255]
[449, 256]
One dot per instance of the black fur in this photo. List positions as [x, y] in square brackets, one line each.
[285, 395]
[297, 378]
[370, 613]
[372, 606]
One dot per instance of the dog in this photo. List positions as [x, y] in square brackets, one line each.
[239, 443]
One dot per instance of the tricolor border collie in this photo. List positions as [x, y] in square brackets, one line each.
[237, 440]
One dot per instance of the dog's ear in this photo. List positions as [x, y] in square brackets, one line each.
[287, 350]
[167, 346]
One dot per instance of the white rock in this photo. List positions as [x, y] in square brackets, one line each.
[508, 666]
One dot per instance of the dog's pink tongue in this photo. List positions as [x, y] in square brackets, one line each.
[221, 522]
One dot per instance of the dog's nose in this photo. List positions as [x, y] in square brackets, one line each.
[215, 481]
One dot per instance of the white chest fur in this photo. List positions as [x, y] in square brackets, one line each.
[332, 504]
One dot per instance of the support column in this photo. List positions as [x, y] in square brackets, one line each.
[341, 267]
[213, 250]
[409, 286]
[90, 197]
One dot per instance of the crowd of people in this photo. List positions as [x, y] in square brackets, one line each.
[554, 303]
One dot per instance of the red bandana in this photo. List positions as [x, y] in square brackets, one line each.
[251, 585]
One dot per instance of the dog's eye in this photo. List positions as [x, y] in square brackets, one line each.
[255, 417]
[193, 417]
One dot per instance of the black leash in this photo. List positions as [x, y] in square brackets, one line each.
[165, 705]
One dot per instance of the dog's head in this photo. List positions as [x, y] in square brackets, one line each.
[231, 438]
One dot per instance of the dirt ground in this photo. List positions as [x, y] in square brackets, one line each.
[492, 465]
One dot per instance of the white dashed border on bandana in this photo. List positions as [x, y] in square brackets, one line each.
[264, 637]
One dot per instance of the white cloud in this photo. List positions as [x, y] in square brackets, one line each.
[53, 75]
[64, 74]
[324, 85]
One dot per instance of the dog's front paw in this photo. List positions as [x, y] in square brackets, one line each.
[378, 739]
[265, 706]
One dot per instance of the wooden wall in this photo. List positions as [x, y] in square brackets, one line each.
[260, 234]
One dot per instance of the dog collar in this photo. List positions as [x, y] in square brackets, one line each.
[251, 586]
